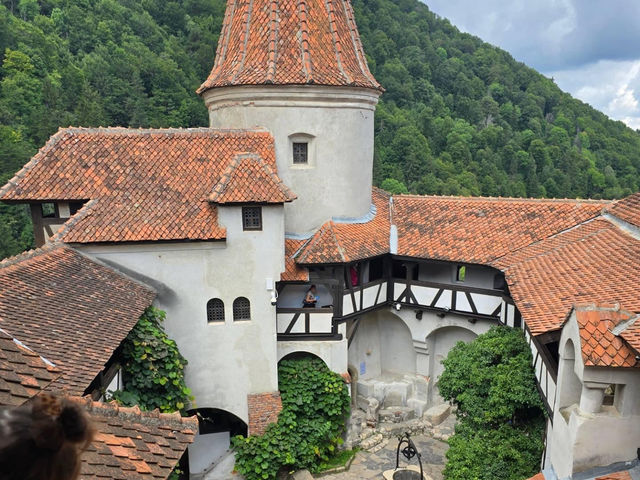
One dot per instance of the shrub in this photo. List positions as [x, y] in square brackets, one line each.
[491, 379]
[153, 368]
[504, 452]
[315, 403]
[501, 418]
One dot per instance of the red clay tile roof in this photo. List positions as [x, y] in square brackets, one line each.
[23, 373]
[479, 230]
[600, 347]
[287, 42]
[631, 334]
[248, 179]
[144, 185]
[595, 262]
[130, 444]
[616, 476]
[537, 476]
[71, 310]
[292, 271]
[627, 209]
[337, 242]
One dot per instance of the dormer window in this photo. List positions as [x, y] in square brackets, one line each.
[300, 153]
[251, 218]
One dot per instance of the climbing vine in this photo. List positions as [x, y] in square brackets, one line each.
[153, 368]
[315, 403]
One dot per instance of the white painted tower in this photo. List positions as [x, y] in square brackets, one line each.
[301, 73]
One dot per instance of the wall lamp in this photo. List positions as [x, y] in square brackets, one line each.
[419, 314]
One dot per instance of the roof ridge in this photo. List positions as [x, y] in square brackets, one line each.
[245, 33]
[236, 163]
[554, 249]
[51, 366]
[335, 237]
[79, 215]
[166, 130]
[273, 41]
[112, 408]
[357, 44]
[33, 161]
[307, 66]
[335, 40]
[32, 253]
[506, 199]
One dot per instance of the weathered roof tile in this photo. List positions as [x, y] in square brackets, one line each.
[142, 185]
[23, 373]
[118, 452]
[289, 42]
[70, 309]
[248, 179]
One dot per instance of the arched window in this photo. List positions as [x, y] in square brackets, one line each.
[241, 309]
[215, 310]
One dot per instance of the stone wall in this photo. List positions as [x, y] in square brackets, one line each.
[263, 410]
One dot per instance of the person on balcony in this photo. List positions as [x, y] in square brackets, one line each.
[311, 298]
[353, 271]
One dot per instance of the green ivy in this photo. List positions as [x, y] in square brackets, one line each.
[153, 368]
[501, 418]
[315, 403]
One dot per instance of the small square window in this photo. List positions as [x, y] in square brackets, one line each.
[461, 273]
[300, 152]
[49, 210]
[251, 218]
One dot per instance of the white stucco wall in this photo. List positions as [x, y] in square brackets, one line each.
[332, 352]
[339, 120]
[380, 344]
[227, 360]
[579, 439]
[476, 275]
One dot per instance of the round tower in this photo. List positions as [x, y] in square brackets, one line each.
[298, 69]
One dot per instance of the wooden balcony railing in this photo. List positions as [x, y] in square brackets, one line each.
[306, 324]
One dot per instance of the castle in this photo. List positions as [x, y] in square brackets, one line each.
[229, 225]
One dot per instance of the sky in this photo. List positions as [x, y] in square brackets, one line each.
[590, 47]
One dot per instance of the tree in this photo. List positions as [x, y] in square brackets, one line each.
[393, 186]
[501, 417]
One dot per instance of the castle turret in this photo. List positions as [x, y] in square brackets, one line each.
[298, 69]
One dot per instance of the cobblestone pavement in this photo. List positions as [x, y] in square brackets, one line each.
[371, 465]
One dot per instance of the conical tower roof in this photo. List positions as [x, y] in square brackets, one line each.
[289, 42]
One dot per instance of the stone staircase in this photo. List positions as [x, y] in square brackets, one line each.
[400, 397]
[390, 405]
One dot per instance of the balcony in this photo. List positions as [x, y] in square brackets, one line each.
[306, 324]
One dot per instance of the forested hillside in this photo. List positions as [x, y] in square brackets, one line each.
[459, 116]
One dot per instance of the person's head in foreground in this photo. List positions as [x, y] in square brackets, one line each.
[43, 440]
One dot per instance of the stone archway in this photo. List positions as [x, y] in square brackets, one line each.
[569, 385]
[382, 344]
[439, 343]
[215, 429]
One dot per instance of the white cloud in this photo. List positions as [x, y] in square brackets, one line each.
[610, 86]
[590, 47]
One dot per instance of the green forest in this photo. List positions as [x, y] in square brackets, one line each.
[459, 116]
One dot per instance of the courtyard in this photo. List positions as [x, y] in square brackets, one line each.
[431, 446]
